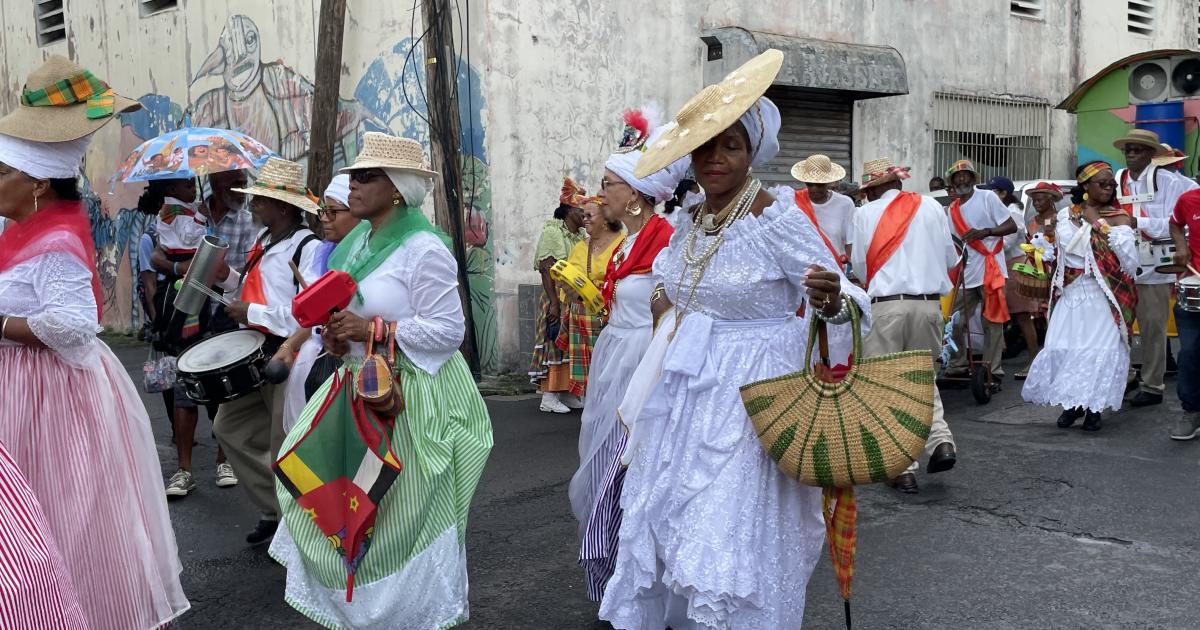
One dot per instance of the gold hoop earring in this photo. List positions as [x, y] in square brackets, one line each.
[1085, 196]
[632, 208]
[396, 201]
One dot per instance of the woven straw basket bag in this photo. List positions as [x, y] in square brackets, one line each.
[864, 429]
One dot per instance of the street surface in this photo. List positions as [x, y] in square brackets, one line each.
[1037, 527]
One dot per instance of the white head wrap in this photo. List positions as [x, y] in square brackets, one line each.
[44, 160]
[762, 124]
[658, 186]
[338, 188]
[411, 186]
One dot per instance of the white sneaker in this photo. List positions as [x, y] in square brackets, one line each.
[225, 476]
[572, 401]
[552, 404]
[180, 484]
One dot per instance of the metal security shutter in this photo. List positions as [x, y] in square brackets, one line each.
[813, 121]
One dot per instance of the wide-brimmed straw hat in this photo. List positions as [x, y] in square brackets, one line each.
[818, 169]
[710, 112]
[1143, 137]
[1170, 156]
[881, 171]
[62, 101]
[1048, 188]
[391, 152]
[283, 180]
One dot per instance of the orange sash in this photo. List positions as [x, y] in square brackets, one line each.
[890, 232]
[995, 305]
[252, 282]
[805, 204]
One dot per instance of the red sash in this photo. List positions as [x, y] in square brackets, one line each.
[891, 230]
[805, 204]
[995, 305]
[650, 240]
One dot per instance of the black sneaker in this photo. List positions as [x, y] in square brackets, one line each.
[263, 532]
[1091, 422]
[1145, 399]
[1068, 417]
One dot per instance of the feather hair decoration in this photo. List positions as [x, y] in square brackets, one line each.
[638, 125]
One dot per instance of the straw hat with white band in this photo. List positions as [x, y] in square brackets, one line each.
[61, 101]
[818, 169]
[711, 112]
[1144, 137]
[391, 153]
[283, 180]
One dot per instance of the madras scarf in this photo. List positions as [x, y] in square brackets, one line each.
[1091, 170]
[81, 88]
[1123, 286]
[840, 510]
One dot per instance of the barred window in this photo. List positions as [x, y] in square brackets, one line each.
[1006, 137]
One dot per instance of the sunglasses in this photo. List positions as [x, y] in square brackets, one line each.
[1112, 183]
[365, 175]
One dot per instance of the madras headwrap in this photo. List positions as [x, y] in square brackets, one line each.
[1091, 170]
[81, 88]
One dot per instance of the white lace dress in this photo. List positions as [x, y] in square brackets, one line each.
[1085, 360]
[76, 427]
[713, 535]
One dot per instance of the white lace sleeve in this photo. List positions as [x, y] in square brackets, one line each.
[66, 319]
[1124, 245]
[431, 336]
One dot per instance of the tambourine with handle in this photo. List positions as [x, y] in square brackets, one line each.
[575, 279]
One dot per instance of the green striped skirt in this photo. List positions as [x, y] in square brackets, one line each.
[414, 574]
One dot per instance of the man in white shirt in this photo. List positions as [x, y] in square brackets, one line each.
[981, 221]
[1149, 194]
[250, 428]
[831, 212]
[902, 252]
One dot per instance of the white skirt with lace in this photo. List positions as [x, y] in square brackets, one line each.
[1085, 361]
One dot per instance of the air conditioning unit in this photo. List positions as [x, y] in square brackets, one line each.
[1149, 81]
[1185, 77]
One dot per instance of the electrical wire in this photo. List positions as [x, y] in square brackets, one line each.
[415, 41]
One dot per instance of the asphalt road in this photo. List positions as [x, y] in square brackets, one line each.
[1036, 527]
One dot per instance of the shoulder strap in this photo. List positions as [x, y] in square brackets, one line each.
[296, 255]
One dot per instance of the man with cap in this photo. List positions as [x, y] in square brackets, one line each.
[981, 221]
[831, 212]
[1149, 194]
[902, 251]
[250, 428]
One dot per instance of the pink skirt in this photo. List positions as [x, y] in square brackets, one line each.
[35, 590]
[81, 437]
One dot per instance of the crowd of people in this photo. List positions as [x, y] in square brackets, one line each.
[681, 280]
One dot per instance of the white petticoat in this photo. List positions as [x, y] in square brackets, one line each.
[713, 534]
[1084, 362]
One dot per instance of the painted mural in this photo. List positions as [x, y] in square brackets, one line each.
[272, 102]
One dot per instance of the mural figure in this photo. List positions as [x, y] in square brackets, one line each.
[268, 101]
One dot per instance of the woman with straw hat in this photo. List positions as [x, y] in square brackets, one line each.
[628, 287]
[1084, 364]
[414, 575]
[70, 407]
[712, 533]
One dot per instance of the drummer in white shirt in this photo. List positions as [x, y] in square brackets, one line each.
[1149, 194]
[250, 428]
[902, 251]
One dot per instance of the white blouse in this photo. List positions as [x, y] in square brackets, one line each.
[417, 287]
[53, 292]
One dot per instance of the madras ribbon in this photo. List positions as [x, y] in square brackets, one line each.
[841, 527]
[81, 88]
[1092, 170]
[299, 190]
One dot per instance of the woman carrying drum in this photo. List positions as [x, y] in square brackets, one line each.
[71, 419]
[415, 573]
[1084, 364]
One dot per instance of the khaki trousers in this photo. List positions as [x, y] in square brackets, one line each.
[1153, 307]
[250, 429]
[993, 333]
[901, 325]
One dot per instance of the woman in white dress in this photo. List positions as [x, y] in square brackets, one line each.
[713, 534]
[72, 420]
[627, 288]
[1084, 363]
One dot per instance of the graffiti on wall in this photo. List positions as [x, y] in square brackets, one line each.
[272, 102]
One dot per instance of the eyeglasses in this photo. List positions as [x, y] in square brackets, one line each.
[605, 183]
[1112, 183]
[329, 214]
[364, 175]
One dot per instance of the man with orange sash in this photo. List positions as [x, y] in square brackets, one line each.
[250, 428]
[981, 222]
[902, 251]
[830, 212]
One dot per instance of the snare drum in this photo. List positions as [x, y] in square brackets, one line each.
[224, 367]
[1155, 254]
[1187, 294]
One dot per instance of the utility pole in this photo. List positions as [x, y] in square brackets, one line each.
[444, 147]
[326, 87]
